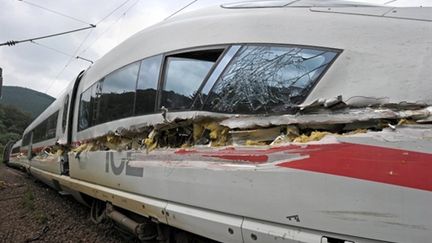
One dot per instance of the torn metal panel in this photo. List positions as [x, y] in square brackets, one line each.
[139, 123]
[325, 117]
[406, 137]
[214, 130]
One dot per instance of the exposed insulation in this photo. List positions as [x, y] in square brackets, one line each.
[217, 134]
[151, 141]
[185, 133]
[314, 136]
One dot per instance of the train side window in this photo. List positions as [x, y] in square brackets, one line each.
[65, 113]
[117, 94]
[183, 76]
[51, 126]
[147, 85]
[268, 79]
[85, 110]
[39, 132]
[46, 129]
[26, 139]
[16, 150]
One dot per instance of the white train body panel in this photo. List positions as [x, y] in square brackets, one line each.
[326, 202]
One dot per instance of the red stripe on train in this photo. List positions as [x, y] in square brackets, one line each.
[378, 164]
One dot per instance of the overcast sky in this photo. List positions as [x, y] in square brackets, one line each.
[37, 67]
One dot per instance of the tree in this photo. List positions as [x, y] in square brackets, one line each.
[12, 125]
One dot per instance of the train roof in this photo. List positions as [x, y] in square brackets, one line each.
[385, 55]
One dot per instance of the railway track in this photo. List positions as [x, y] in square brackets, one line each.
[33, 212]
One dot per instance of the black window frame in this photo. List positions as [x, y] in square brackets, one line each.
[65, 113]
[42, 129]
[161, 84]
[80, 107]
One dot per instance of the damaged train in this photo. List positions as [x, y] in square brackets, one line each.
[275, 121]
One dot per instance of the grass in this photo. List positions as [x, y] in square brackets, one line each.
[28, 200]
[28, 203]
[41, 217]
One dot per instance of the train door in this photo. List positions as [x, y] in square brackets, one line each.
[68, 117]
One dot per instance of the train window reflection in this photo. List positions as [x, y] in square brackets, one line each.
[46, 129]
[85, 110]
[184, 74]
[116, 99]
[147, 85]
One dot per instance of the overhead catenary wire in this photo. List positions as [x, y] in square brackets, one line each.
[75, 56]
[61, 52]
[181, 9]
[109, 27]
[55, 12]
[104, 18]
[391, 1]
[14, 42]
[51, 48]
[113, 11]
[124, 13]
[72, 57]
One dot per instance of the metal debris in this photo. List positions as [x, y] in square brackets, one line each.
[248, 130]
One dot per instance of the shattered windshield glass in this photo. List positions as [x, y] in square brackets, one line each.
[265, 79]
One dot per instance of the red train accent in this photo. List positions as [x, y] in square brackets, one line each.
[378, 164]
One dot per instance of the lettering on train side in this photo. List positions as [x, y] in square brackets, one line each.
[123, 166]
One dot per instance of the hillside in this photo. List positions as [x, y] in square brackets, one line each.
[12, 125]
[24, 99]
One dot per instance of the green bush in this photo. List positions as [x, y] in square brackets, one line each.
[12, 125]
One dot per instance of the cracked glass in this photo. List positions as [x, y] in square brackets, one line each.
[267, 79]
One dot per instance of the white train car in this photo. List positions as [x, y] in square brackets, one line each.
[16, 158]
[275, 121]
